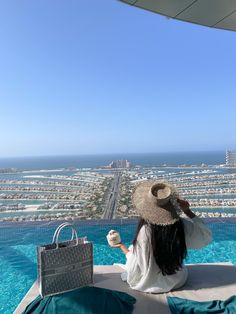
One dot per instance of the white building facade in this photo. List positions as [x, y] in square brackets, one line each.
[230, 158]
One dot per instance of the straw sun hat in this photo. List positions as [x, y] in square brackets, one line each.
[149, 199]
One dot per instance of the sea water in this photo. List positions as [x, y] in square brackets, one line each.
[81, 161]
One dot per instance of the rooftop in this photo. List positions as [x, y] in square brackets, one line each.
[211, 13]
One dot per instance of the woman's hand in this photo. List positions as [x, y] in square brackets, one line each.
[121, 246]
[118, 245]
[184, 205]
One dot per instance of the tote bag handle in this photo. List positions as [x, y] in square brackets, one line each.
[59, 229]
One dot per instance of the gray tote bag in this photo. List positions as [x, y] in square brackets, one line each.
[64, 266]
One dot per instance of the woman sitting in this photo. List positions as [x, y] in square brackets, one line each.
[155, 260]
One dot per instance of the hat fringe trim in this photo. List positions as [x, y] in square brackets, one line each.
[162, 224]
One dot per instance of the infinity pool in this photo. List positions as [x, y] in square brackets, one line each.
[18, 252]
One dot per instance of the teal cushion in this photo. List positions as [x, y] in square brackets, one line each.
[185, 306]
[87, 300]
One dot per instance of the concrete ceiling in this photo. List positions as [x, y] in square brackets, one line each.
[212, 13]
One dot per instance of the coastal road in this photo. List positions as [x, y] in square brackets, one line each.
[113, 197]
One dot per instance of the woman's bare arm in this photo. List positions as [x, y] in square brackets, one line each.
[122, 247]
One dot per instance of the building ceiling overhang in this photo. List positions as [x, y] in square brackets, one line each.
[212, 13]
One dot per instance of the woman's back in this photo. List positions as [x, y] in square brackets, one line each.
[142, 271]
[167, 245]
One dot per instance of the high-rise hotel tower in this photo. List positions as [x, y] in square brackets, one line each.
[230, 158]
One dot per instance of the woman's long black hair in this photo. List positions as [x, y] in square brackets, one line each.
[168, 245]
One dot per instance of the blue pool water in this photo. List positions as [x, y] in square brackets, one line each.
[18, 252]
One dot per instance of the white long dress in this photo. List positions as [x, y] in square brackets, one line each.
[143, 274]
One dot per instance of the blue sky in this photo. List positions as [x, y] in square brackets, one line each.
[89, 76]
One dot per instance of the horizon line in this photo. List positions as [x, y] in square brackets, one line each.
[117, 153]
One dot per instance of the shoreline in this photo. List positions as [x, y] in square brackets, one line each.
[67, 216]
[75, 214]
[35, 208]
[102, 168]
